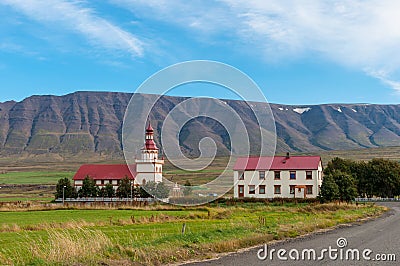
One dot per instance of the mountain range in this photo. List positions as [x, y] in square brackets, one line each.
[91, 123]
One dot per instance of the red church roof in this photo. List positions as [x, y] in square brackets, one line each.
[278, 163]
[150, 145]
[149, 129]
[104, 171]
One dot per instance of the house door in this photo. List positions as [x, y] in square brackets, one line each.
[241, 191]
[300, 192]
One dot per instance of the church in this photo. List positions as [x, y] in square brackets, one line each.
[147, 168]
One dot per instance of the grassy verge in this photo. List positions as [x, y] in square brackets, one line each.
[154, 236]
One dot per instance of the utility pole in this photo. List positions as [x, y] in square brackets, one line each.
[63, 195]
[131, 190]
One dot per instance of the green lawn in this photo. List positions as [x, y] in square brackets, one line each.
[92, 237]
[32, 178]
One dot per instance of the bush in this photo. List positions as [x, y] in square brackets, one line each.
[64, 184]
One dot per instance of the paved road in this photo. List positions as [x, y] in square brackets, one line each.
[381, 236]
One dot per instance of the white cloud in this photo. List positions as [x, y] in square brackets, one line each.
[198, 15]
[354, 33]
[359, 34]
[7, 46]
[73, 16]
[383, 77]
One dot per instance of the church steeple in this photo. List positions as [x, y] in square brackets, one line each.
[150, 150]
[149, 167]
[149, 139]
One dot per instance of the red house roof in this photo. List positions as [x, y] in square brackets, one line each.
[278, 163]
[105, 171]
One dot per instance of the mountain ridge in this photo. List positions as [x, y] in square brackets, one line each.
[92, 122]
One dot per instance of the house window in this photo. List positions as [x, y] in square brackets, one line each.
[252, 189]
[261, 175]
[277, 189]
[309, 190]
[241, 175]
[291, 189]
[261, 189]
[277, 174]
[308, 175]
[292, 175]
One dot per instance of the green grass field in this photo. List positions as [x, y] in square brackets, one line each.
[154, 235]
[30, 186]
[26, 172]
[34, 177]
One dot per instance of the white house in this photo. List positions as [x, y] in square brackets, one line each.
[147, 168]
[278, 177]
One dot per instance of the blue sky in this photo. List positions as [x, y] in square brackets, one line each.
[298, 52]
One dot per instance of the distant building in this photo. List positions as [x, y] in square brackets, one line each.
[147, 168]
[287, 177]
[103, 174]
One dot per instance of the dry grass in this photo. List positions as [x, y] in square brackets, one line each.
[68, 247]
[160, 218]
[37, 206]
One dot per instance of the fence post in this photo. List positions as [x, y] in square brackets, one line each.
[183, 228]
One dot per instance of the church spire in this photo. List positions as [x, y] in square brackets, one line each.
[149, 139]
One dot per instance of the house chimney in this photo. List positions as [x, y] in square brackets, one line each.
[287, 155]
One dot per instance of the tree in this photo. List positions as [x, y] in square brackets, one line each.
[162, 191]
[329, 189]
[346, 185]
[378, 177]
[74, 193]
[150, 188]
[338, 164]
[109, 190]
[102, 192]
[64, 184]
[386, 177]
[187, 190]
[124, 188]
[365, 183]
[140, 192]
[158, 190]
[89, 188]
